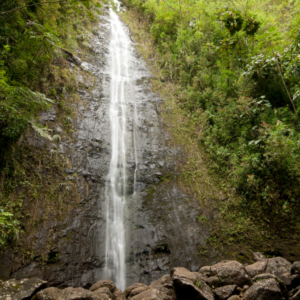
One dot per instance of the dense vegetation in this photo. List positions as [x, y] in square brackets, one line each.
[238, 67]
[36, 38]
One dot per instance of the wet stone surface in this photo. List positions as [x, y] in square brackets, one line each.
[161, 226]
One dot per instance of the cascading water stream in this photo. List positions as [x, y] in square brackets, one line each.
[121, 92]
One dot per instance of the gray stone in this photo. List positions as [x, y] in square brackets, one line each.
[295, 268]
[231, 272]
[213, 281]
[103, 283]
[165, 281]
[224, 292]
[206, 270]
[132, 287]
[286, 279]
[188, 286]
[258, 256]
[80, 294]
[234, 297]
[278, 265]
[265, 289]
[104, 290]
[138, 290]
[271, 276]
[51, 293]
[118, 292]
[20, 289]
[151, 294]
[257, 268]
[164, 285]
[48, 116]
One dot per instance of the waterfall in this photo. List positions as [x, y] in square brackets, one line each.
[121, 93]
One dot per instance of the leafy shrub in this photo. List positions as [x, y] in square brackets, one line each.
[9, 228]
[238, 69]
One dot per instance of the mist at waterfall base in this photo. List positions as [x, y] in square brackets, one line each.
[121, 92]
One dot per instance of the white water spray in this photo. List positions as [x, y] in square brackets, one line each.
[121, 90]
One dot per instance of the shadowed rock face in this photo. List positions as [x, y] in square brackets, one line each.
[161, 226]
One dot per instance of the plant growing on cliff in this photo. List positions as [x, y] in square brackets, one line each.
[236, 68]
[9, 228]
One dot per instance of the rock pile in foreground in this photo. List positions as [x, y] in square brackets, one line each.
[266, 279]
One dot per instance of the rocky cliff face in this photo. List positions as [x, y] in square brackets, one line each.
[162, 229]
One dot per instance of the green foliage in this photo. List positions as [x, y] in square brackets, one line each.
[233, 20]
[237, 64]
[34, 39]
[9, 227]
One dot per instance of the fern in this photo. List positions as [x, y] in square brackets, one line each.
[31, 96]
[42, 131]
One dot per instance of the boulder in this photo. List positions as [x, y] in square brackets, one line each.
[231, 272]
[165, 281]
[224, 292]
[103, 283]
[104, 291]
[19, 289]
[295, 268]
[138, 290]
[278, 265]
[234, 297]
[206, 270]
[265, 289]
[286, 278]
[150, 294]
[128, 290]
[167, 297]
[213, 281]
[188, 286]
[258, 256]
[117, 292]
[165, 290]
[271, 276]
[51, 293]
[80, 294]
[164, 285]
[257, 268]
